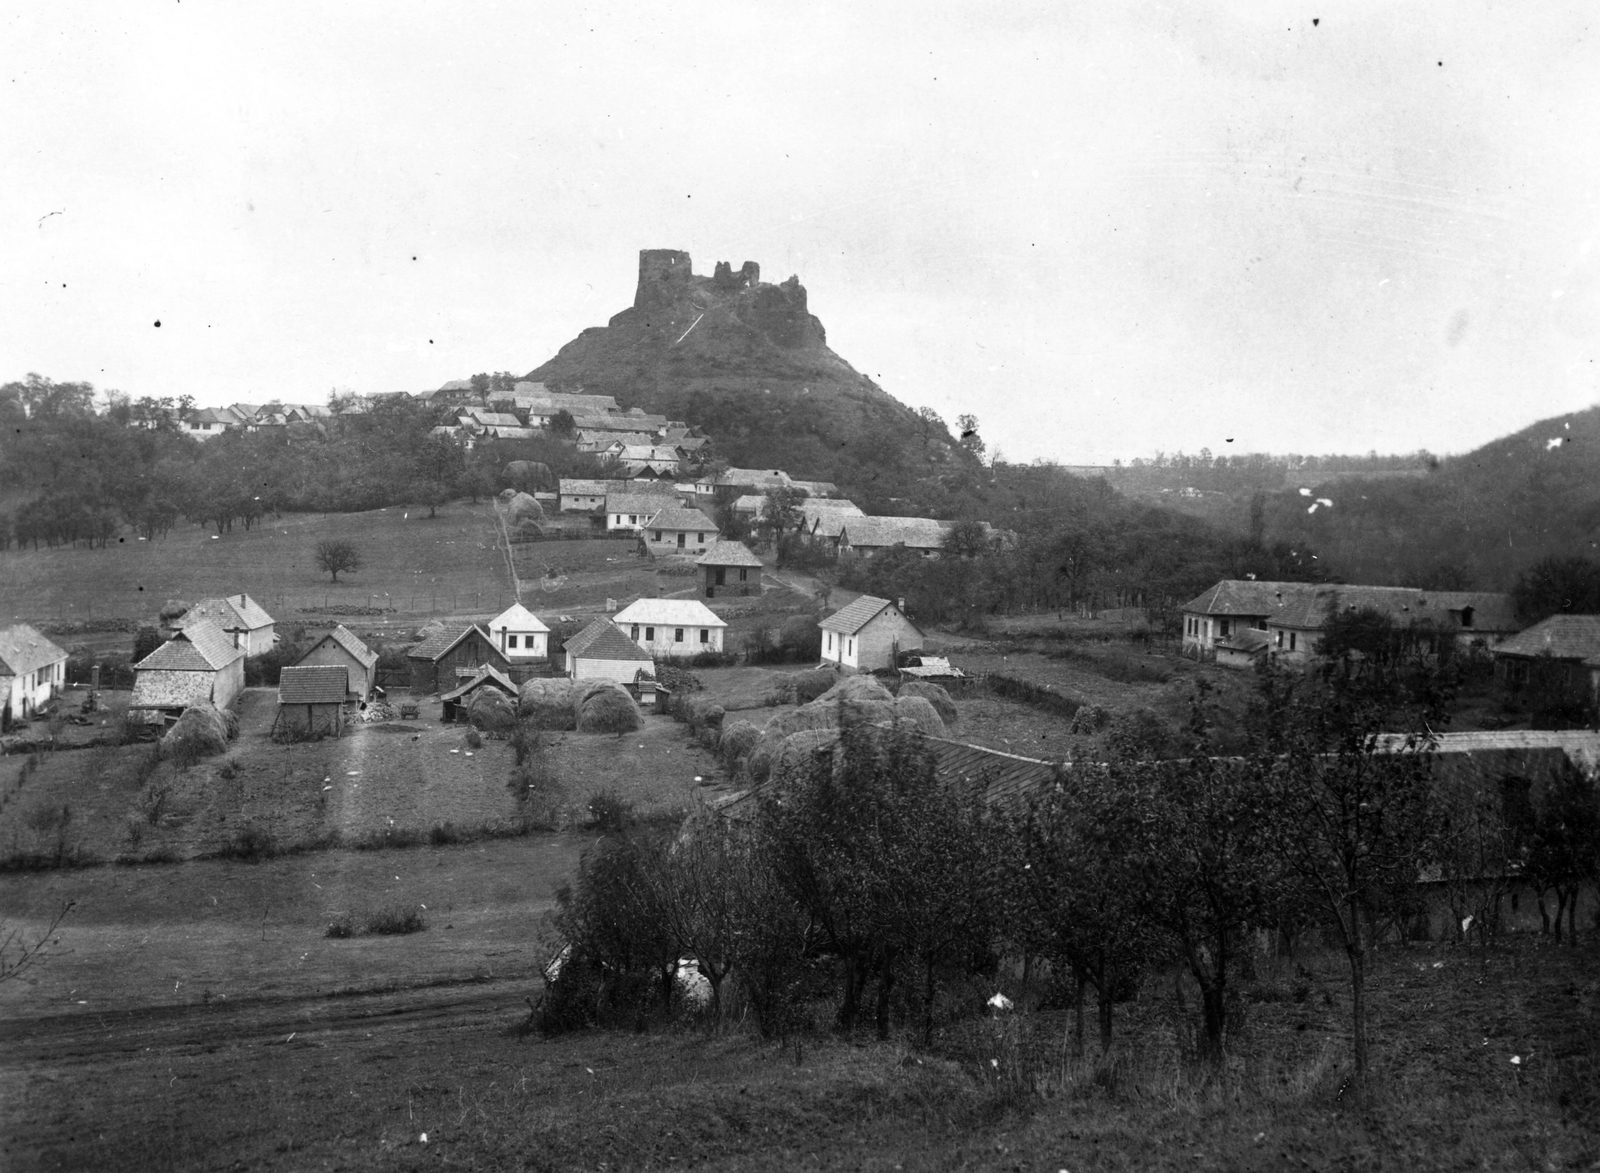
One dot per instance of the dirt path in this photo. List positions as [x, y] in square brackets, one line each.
[504, 546]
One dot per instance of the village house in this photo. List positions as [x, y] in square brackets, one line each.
[868, 535]
[1555, 666]
[207, 423]
[1235, 605]
[311, 700]
[730, 569]
[583, 496]
[633, 425]
[343, 649]
[522, 638]
[602, 652]
[33, 671]
[677, 530]
[631, 511]
[825, 520]
[604, 444]
[1463, 618]
[867, 635]
[657, 459]
[456, 703]
[671, 627]
[442, 660]
[240, 616]
[198, 664]
[755, 480]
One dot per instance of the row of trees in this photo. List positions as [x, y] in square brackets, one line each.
[869, 880]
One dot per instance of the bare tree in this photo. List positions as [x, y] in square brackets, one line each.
[336, 554]
[18, 953]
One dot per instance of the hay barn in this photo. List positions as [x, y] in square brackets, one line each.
[311, 700]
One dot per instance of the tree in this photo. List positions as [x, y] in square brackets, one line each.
[336, 554]
[1563, 849]
[780, 514]
[1557, 586]
[970, 440]
[562, 426]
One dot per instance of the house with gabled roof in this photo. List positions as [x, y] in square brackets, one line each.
[1555, 664]
[33, 671]
[632, 511]
[198, 664]
[521, 636]
[602, 652]
[730, 569]
[311, 701]
[676, 529]
[447, 657]
[240, 616]
[343, 649]
[580, 495]
[671, 627]
[868, 635]
[868, 535]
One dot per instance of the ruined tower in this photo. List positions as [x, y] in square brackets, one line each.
[663, 274]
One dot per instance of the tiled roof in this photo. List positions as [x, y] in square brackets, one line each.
[439, 643]
[1562, 637]
[572, 487]
[916, 533]
[852, 617]
[495, 419]
[508, 432]
[602, 640]
[727, 553]
[668, 613]
[1249, 639]
[516, 618]
[620, 423]
[819, 489]
[677, 518]
[24, 650]
[488, 674]
[200, 647]
[231, 613]
[347, 640]
[1232, 596]
[1404, 605]
[1003, 779]
[648, 504]
[756, 478]
[312, 684]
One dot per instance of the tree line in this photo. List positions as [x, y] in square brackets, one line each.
[874, 891]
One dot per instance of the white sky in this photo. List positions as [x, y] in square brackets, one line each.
[1104, 230]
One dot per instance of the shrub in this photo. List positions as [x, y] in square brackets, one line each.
[395, 921]
[340, 928]
[250, 843]
[444, 834]
[609, 812]
[474, 741]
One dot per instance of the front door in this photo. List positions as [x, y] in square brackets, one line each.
[681, 537]
[722, 576]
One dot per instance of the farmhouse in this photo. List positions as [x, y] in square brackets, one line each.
[520, 636]
[755, 480]
[671, 627]
[630, 511]
[199, 663]
[1234, 605]
[867, 635]
[209, 422]
[730, 569]
[825, 519]
[458, 700]
[676, 529]
[1462, 618]
[602, 652]
[32, 671]
[440, 661]
[340, 648]
[240, 617]
[311, 700]
[1555, 664]
[868, 535]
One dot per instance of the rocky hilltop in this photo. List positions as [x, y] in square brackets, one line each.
[748, 362]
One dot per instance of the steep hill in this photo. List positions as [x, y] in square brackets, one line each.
[1482, 517]
[749, 363]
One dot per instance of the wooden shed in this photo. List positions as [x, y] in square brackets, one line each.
[442, 661]
[311, 700]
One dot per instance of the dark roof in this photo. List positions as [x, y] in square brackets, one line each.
[852, 617]
[1003, 778]
[1561, 637]
[603, 640]
[1404, 605]
[24, 650]
[312, 684]
[1233, 596]
[346, 639]
[435, 646]
[200, 647]
[726, 552]
[488, 674]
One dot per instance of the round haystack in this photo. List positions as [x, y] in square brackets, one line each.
[813, 716]
[174, 609]
[548, 704]
[919, 713]
[430, 629]
[199, 733]
[739, 739]
[794, 754]
[492, 711]
[799, 688]
[524, 507]
[934, 695]
[603, 706]
[855, 688]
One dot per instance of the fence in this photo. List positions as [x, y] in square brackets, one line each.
[1039, 695]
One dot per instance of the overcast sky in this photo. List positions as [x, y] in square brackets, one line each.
[1104, 230]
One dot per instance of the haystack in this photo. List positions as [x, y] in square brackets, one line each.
[174, 609]
[934, 695]
[200, 732]
[548, 704]
[794, 754]
[739, 738]
[524, 509]
[799, 688]
[812, 716]
[492, 711]
[919, 713]
[855, 688]
[603, 706]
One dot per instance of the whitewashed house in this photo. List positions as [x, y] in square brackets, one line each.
[671, 627]
[520, 635]
[602, 652]
[240, 617]
[33, 671]
[867, 635]
[676, 530]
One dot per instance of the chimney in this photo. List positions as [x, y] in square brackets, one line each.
[901, 602]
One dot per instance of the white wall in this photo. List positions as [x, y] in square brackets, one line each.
[662, 640]
[622, 671]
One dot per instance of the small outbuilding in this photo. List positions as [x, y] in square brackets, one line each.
[341, 648]
[33, 671]
[458, 700]
[442, 661]
[730, 569]
[671, 627]
[199, 663]
[311, 700]
[602, 652]
[867, 635]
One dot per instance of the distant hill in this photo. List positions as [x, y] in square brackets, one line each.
[747, 362]
[1482, 517]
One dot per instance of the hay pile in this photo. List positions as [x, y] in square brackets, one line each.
[603, 706]
[813, 716]
[800, 688]
[200, 732]
[1089, 720]
[852, 702]
[548, 704]
[919, 713]
[793, 755]
[739, 738]
[524, 511]
[492, 711]
[855, 688]
[934, 695]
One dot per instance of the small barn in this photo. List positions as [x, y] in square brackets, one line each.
[459, 699]
[730, 569]
[311, 700]
[240, 617]
[199, 663]
[341, 648]
[33, 670]
[602, 652]
[867, 635]
[441, 661]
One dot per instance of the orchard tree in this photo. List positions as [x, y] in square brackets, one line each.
[336, 554]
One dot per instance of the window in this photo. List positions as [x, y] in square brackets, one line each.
[702, 539]
[677, 635]
[705, 635]
[1222, 628]
[850, 647]
[511, 641]
[1291, 641]
[635, 634]
[649, 635]
[830, 641]
[658, 535]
